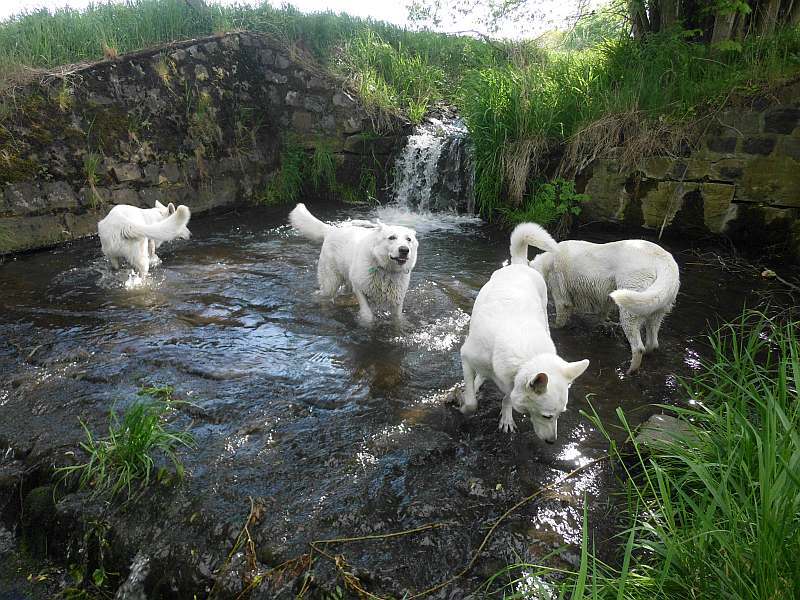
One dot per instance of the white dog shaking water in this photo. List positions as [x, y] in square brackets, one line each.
[374, 260]
[509, 342]
[133, 234]
[639, 276]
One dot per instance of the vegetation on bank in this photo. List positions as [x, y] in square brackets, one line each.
[124, 461]
[531, 110]
[713, 513]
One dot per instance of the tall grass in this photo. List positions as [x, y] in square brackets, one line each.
[124, 460]
[716, 512]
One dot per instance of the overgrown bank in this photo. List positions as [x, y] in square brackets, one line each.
[534, 114]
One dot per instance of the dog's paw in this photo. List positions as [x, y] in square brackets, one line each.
[365, 319]
[507, 425]
[468, 409]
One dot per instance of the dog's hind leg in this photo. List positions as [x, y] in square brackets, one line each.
[114, 262]
[479, 379]
[632, 326]
[470, 403]
[651, 327]
[329, 281]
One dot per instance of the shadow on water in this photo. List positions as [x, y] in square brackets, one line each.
[337, 429]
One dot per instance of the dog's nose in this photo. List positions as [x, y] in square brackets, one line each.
[403, 250]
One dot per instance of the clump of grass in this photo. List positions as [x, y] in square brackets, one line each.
[285, 185]
[91, 166]
[323, 167]
[124, 460]
[714, 513]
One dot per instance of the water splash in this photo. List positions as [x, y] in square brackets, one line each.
[435, 170]
[133, 587]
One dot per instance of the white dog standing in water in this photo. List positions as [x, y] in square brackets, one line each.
[509, 342]
[374, 260]
[133, 234]
[639, 276]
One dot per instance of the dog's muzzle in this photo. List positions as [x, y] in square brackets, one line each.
[402, 255]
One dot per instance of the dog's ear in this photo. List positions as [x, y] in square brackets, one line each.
[171, 208]
[575, 369]
[539, 383]
[159, 205]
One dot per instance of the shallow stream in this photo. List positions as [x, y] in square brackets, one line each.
[336, 429]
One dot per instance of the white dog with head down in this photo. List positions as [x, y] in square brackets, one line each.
[133, 234]
[509, 342]
[373, 260]
[639, 276]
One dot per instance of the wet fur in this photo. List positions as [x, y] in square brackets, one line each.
[132, 234]
[357, 256]
[640, 277]
[509, 342]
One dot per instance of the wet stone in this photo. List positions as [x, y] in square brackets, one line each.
[660, 430]
[723, 145]
[126, 172]
[758, 145]
[275, 77]
[293, 99]
[314, 104]
[781, 120]
[282, 61]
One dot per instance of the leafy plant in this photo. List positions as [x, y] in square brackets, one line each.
[91, 166]
[323, 167]
[550, 202]
[124, 459]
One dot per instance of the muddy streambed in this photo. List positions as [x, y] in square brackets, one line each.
[332, 430]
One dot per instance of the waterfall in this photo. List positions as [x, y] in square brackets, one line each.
[435, 170]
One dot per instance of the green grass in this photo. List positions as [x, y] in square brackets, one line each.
[717, 513]
[124, 460]
[285, 186]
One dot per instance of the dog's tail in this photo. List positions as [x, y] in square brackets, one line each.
[660, 296]
[529, 234]
[174, 226]
[307, 224]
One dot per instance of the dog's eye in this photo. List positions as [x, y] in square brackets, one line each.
[392, 237]
[408, 239]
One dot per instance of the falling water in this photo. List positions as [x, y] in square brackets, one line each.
[435, 170]
[133, 587]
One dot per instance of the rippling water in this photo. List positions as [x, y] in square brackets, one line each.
[339, 429]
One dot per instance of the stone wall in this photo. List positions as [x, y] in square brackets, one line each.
[741, 180]
[200, 122]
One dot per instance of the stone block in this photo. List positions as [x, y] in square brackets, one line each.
[343, 100]
[781, 120]
[200, 73]
[352, 125]
[210, 47]
[293, 98]
[771, 180]
[606, 190]
[170, 173]
[24, 198]
[319, 83]
[178, 56]
[726, 169]
[660, 205]
[93, 198]
[314, 103]
[25, 233]
[741, 122]
[124, 172]
[59, 195]
[125, 196]
[274, 77]
[231, 42]
[282, 61]
[302, 120]
[789, 146]
[761, 144]
[84, 224]
[266, 57]
[721, 144]
[657, 167]
[717, 207]
[195, 52]
[328, 123]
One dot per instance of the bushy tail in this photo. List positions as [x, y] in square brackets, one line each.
[529, 234]
[307, 224]
[164, 231]
[660, 296]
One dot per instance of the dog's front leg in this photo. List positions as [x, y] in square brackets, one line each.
[507, 416]
[365, 316]
[470, 402]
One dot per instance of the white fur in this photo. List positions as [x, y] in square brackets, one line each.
[133, 234]
[365, 257]
[639, 276]
[509, 342]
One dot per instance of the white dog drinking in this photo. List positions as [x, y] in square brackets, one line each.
[373, 260]
[639, 276]
[509, 342]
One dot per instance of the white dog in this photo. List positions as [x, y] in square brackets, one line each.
[133, 234]
[640, 277]
[374, 260]
[509, 342]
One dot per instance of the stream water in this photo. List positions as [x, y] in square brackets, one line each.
[335, 429]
